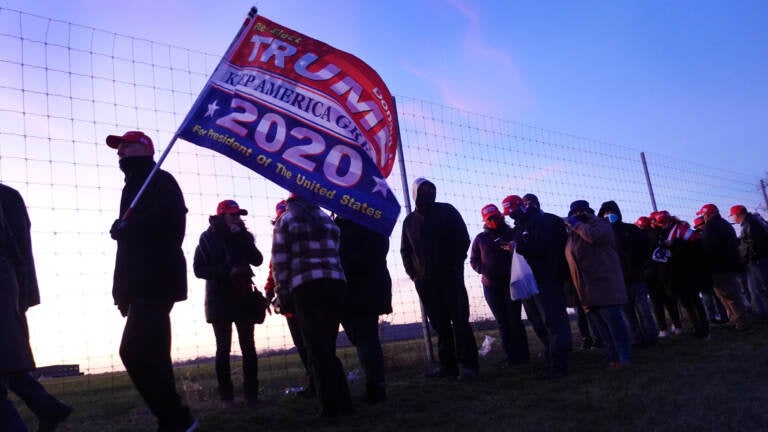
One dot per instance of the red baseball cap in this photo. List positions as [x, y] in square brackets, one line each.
[489, 211]
[511, 203]
[229, 207]
[131, 136]
[708, 209]
[738, 209]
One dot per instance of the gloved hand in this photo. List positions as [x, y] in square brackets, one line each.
[118, 229]
[572, 221]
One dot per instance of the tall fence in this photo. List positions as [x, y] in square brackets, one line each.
[64, 87]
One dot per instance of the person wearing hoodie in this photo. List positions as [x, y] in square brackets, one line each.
[596, 271]
[540, 239]
[434, 247]
[223, 257]
[631, 246]
[490, 256]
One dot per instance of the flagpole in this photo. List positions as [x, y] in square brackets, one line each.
[235, 42]
[404, 178]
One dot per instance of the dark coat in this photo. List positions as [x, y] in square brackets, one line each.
[489, 259]
[363, 256]
[753, 239]
[150, 263]
[18, 283]
[631, 244]
[435, 239]
[541, 240]
[594, 263]
[218, 252]
[721, 246]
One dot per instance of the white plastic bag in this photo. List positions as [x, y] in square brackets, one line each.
[522, 283]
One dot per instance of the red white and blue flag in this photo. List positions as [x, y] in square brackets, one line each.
[315, 120]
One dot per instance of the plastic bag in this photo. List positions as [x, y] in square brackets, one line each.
[522, 283]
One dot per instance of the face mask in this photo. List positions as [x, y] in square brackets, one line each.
[612, 217]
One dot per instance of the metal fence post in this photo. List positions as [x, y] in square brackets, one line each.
[648, 181]
[406, 196]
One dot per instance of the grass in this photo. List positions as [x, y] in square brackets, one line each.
[682, 384]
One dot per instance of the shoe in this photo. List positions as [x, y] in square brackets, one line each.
[468, 375]
[441, 373]
[587, 343]
[228, 404]
[663, 334]
[675, 331]
[51, 422]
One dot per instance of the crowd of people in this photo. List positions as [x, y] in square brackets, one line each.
[623, 280]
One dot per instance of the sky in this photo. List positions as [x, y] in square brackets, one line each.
[682, 79]
[685, 79]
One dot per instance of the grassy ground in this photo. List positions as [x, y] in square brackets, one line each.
[683, 384]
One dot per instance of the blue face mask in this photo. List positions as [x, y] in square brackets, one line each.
[612, 217]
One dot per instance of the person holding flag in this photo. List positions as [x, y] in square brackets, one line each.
[150, 276]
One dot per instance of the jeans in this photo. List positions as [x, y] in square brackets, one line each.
[445, 301]
[642, 326]
[146, 353]
[298, 341]
[223, 332]
[610, 324]
[319, 306]
[507, 312]
[10, 420]
[757, 281]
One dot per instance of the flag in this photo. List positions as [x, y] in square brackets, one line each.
[313, 119]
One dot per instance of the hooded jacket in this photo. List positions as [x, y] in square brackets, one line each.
[150, 263]
[435, 237]
[631, 243]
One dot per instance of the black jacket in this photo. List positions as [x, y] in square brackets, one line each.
[631, 244]
[489, 259]
[753, 239]
[18, 283]
[721, 246]
[541, 240]
[435, 239]
[364, 258]
[150, 264]
[218, 252]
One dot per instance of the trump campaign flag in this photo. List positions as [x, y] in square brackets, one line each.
[315, 120]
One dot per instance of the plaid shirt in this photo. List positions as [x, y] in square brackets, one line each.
[305, 246]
